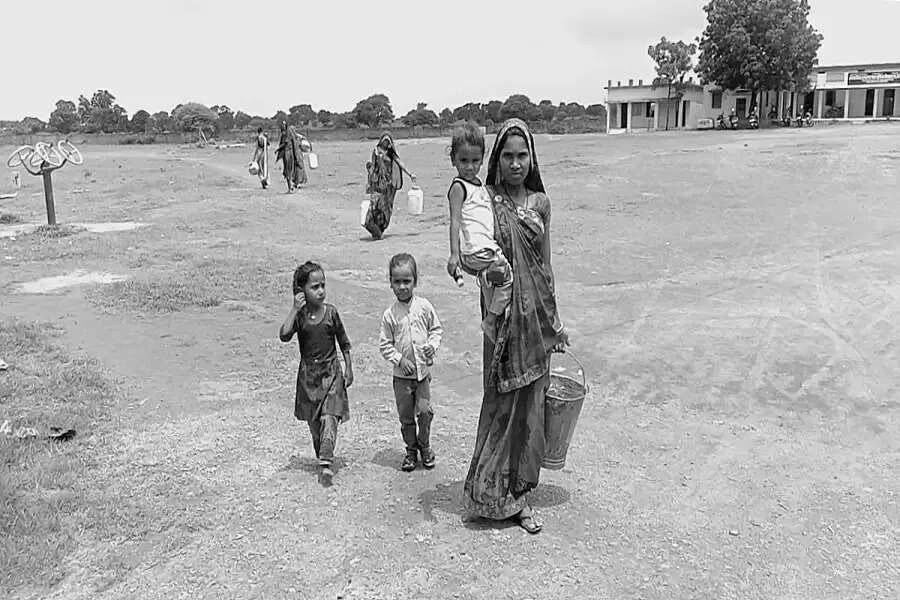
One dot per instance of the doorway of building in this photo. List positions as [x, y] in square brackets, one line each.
[887, 109]
[741, 107]
[685, 106]
[623, 110]
[870, 103]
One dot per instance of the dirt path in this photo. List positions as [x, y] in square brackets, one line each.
[738, 325]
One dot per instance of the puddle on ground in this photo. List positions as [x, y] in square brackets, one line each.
[109, 227]
[46, 285]
[11, 231]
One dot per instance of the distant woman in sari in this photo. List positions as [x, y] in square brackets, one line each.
[384, 178]
[291, 156]
[261, 157]
[509, 444]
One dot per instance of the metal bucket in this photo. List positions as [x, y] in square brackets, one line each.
[562, 405]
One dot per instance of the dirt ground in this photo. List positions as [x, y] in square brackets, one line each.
[733, 295]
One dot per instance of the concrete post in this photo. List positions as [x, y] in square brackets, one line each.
[821, 110]
[847, 103]
[608, 114]
[628, 117]
[875, 110]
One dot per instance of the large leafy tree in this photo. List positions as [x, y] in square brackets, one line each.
[194, 116]
[421, 115]
[139, 121]
[758, 44]
[65, 118]
[101, 113]
[521, 106]
[373, 111]
[301, 115]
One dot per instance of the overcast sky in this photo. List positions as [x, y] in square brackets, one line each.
[267, 55]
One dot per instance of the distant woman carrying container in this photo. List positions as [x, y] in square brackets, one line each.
[261, 157]
[291, 156]
[384, 178]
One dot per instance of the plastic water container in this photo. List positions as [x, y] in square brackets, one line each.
[313, 160]
[253, 168]
[364, 211]
[415, 200]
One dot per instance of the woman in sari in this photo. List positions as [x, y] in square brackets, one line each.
[384, 178]
[261, 157]
[509, 445]
[291, 157]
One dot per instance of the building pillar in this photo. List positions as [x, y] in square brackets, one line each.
[608, 113]
[656, 117]
[628, 117]
[821, 110]
[780, 100]
[847, 103]
[875, 110]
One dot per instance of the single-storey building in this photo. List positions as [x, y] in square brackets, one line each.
[840, 92]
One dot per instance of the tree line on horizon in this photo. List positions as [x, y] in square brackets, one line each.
[102, 114]
[747, 44]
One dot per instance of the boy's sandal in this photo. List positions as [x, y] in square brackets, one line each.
[529, 523]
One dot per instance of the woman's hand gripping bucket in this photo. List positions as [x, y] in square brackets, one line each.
[562, 406]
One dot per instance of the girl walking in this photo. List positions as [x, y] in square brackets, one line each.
[321, 398]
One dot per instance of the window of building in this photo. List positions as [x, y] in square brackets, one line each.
[649, 113]
[829, 98]
[717, 99]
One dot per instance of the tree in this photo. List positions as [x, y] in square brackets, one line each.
[225, 117]
[373, 111]
[446, 117]
[29, 125]
[573, 109]
[242, 120]
[161, 122]
[101, 113]
[279, 117]
[346, 120]
[547, 110]
[301, 115]
[596, 110]
[194, 116]
[492, 111]
[758, 44]
[139, 121]
[65, 118]
[421, 115]
[674, 60]
[470, 111]
[519, 105]
[325, 117]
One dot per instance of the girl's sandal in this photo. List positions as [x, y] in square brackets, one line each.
[529, 523]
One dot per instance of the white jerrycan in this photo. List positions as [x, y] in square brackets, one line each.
[313, 160]
[415, 200]
[364, 211]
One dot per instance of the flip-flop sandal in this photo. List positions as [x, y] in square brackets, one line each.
[529, 523]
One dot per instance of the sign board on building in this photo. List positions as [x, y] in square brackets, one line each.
[873, 78]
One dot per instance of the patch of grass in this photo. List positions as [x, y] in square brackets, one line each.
[57, 231]
[160, 295]
[39, 479]
[9, 219]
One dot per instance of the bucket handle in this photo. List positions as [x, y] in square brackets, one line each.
[581, 365]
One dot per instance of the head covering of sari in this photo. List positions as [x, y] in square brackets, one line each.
[386, 136]
[518, 127]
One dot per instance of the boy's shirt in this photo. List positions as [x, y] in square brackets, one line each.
[405, 328]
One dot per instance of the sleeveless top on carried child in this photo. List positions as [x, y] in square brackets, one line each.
[477, 223]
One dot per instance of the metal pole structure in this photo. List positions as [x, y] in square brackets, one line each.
[48, 197]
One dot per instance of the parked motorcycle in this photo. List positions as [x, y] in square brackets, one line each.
[753, 121]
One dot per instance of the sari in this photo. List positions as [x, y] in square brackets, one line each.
[384, 178]
[509, 444]
[291, 157]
